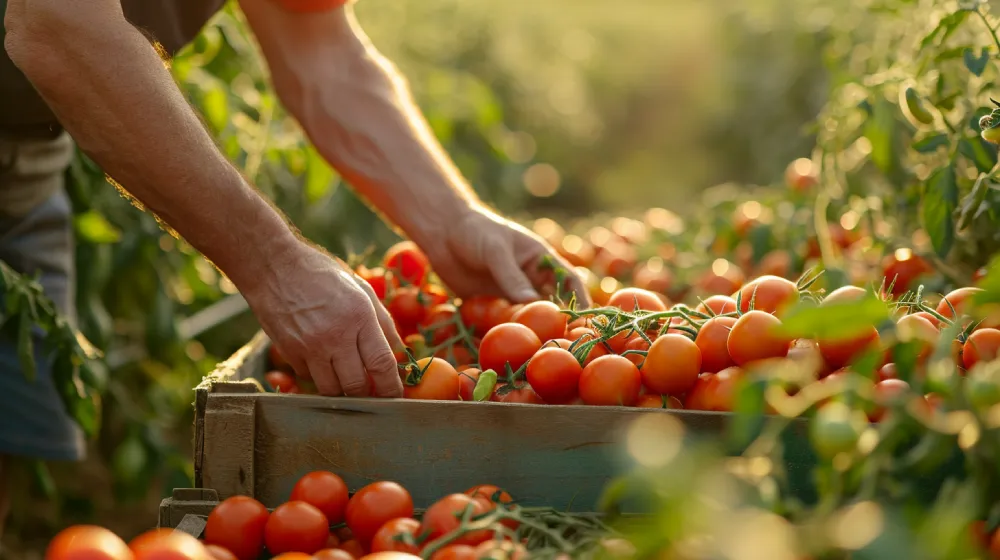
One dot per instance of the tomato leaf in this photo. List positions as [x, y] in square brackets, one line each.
[881, 132]
[973, 201]
[485, 385]
[930, 143]
[835, 321]
[939, 202]
[977, 150]
[944, 29]
[93, 227]
[976, 64]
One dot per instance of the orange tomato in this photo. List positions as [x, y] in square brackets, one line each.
[754, 336]
[87, 542]
[437, 382]
[610, 381]
[672, 365]
[712, 341]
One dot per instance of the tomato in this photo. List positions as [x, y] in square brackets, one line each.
[407, 262]
[324, 490]
[333, 554]
[277, 360]
[544, 318]
[650, 400]
[456, 552]
[653, 275]
[292, 555]
[237, 524]
[167, 544]
[712, 340]
[377, 278]
[563, 343]
[775, 263]
[724, 278]
[523, 394]
[406, 309]
[467, 380]
[445, 516]
[333, 541]
[804, 349]
[344, 533]
[916, 329]
[755, 336]
[636, 344]
[836, 429]
[296, 527]
[585, 335]
[888, 371]
[87, 542]
[839, 353]
[282, 382]
[905, 267]
[352, 547]
[216, 552]
[490, 492]
[438, 381]
[885, 393]
[980, 535]
[439, 320]
[374, 505]
[501, 550]
[509, 343]
[714, 391]
[717, 305]
[554, 374]
[768, 293]
[610, 381]
[960, 299]
[982, 345]
[457, 354]
[672, 365]
[933, 320]
[630, 299]
[482, 313]
[390, 555]
[391, 535]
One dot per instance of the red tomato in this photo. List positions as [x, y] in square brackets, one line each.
[672, 365]
[885, 392]
[282, 382]
[406, 309]
[296, 527]
[636, 344]
[839, 353]
[913, 328]
[392, 534]
[167, 544]
[610, 381]
[237, 524]
[523, 394]
[490, 492]
[509, 343]
[390, 555]
[440, 322]
[407, 262]
[87, 542]
[905, 267]
[933, 320]
[755, 336]
[467, 380]
[482, 313]
[775, 263]
[333, 554]
[630, 299]
[717, 305]
[728, 281]
[377, 278]
[587, 334]
[324, 490]
[981, 346]
[544, 318]
[770, 294]
[457, 354]
[650, 400]
[445, 516]
[277, 360]
[352, 547]
[714, 391]
[438, 381]
[374, 505]
[456, 552]
[653, 275]
[960, 300]
[888, 371]
[554, 374]
[218, 553]
[292, 555]
[712, 341]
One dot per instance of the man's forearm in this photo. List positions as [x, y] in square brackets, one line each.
[112, 92]
[359, 114]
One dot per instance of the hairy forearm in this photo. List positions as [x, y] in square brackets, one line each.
[111, 91]
[359, 114]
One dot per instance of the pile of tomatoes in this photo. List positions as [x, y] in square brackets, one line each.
[322, 521]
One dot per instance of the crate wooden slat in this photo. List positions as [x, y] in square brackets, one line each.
[258, 444]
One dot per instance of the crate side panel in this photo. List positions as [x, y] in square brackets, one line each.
[555, 456]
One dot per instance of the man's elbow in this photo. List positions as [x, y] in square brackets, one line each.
[37, 35]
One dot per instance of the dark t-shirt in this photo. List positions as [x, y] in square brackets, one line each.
[173, 23]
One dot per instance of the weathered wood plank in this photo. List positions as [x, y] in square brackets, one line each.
[227, 463]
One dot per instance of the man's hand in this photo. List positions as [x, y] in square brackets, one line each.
[328, 324]
[483, 253]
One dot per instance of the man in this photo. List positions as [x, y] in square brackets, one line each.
[88, 71]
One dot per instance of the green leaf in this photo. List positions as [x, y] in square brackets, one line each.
[939, 202]
[319, 177]
[215, 107]
[977, 150]
[944, 29]
[881, 132]
[485, 385]
[834, 321]
[973, 201]
[93, 227]
[976, 64]
[930, 143]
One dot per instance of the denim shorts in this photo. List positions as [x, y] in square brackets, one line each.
[36, 236]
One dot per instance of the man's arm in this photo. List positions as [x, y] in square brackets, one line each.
[358, 112]
[111, 91]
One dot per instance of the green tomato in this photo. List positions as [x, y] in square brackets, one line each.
[836, 428]
[991, 135]
[916, 107]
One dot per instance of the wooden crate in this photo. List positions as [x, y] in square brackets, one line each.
[259, 444]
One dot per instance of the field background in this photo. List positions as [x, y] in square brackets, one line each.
[643, 104]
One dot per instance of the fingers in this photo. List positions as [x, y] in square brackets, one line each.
[350, 369]
[324, 376]
[385, 321]
[508, 274]
[379, 362]
[575, 283]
